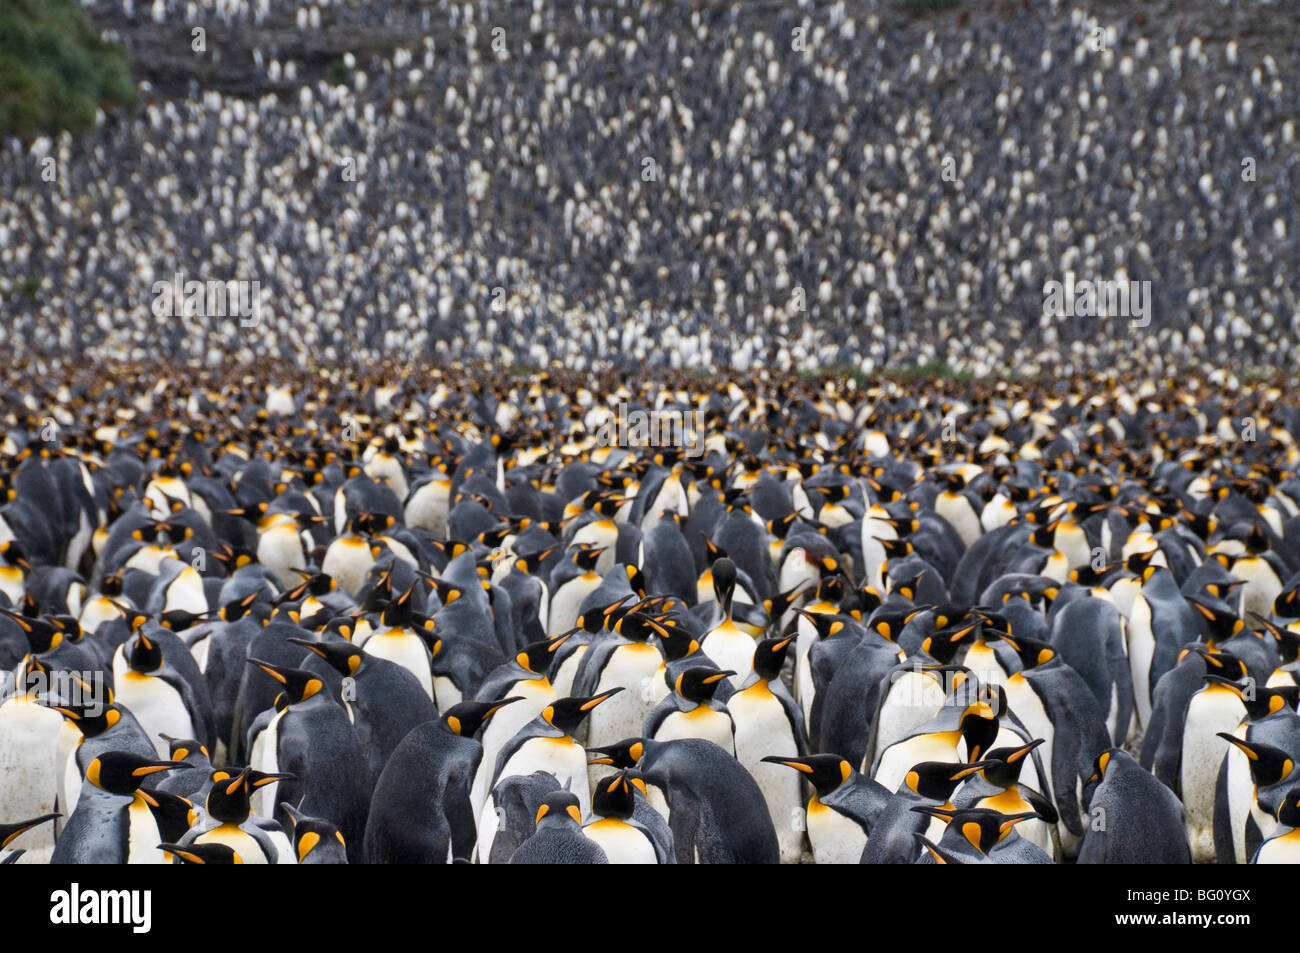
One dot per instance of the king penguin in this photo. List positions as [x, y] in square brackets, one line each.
[842, 809]
[768, 722]
[614, 831]
[113, 823]
[558, 838]
[1133, 818]
[422, 811]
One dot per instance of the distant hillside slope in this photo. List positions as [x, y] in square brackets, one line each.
[56, 69]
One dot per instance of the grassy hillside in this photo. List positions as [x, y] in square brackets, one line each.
[55, 69]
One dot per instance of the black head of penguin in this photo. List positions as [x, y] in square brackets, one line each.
[781, 601]
[677, 644]
[1267, 701]
[314, 834]
[202, 853]
[173, 814]
[299, 685]
[936, 780]
[567, 714]
[724, 581]
[640, 627]
[1287, 603]
[561, 806]
[344, 657]
[1268, 765]
[178, 620]
[824, 623]
[400, 612]
[42, 635]
[1222, 664]
[144, 654]
[91, 720]
[236, 609]
[120, 772]
[466, 718]
[769, 656]
[603, 618]
[1004, 764]
[979, 722]
[982, 828]
[585, 556]
[1032, 652]
[622, 754]
[313, 584]
[1220, 621]
[943, 645]
[180, 749]
[1288, 642]
[1288, 809]
[825, 772]
[613, 797]
[699, 682]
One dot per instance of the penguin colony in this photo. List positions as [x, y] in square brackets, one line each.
[428, 615]
[673, 183]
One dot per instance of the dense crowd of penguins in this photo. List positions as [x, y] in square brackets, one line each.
[434, 615]
[672, 183]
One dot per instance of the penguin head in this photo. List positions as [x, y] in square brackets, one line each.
[983, 829]
[724, 582]
[559, 809]
[639, 627]
[310, 833]
[229, 798]
[944, 644]
[613, 797]
[42, 635]
[236, 609]
[144, 654]
[11, 552]
[676, 643]
[566, 714]
[825, 772]
[1287, 603]
[1222, 623]
[623, 754]
[202, 853]
[979, 722]
[399, 613]
[1288, 809]
[1032, 652]
[182, 749]
[1268, 764]
[1269, 701]
[173, 814]
[781, 601]
[535, 657]
[769, 656]
[1222, 664]
[299, 685]
[178, 620]
[585, 556]
[466, 718]
[121, 772]
[936, 780]
[91, 721]
[1004, 764]
[1101, 765]
[825, 624]
[344, 657]
[1288, 642]
[699, 682]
